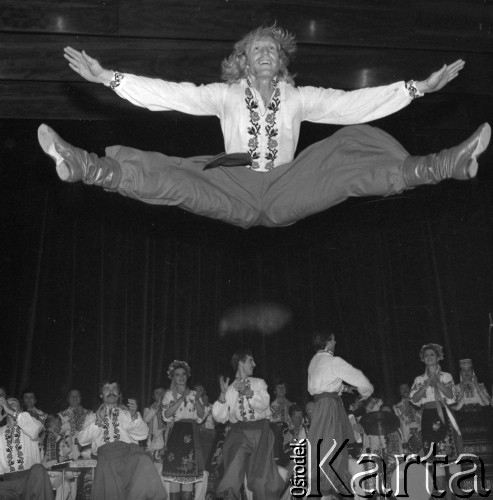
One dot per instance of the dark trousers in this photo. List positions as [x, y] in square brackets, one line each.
[355, 161]
[32, 484]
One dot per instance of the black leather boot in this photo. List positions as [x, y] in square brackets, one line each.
[459, 162]
[74, 164]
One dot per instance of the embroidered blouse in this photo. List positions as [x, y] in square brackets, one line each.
[187, 410]
[239, 408]
[326, 373]
[469, 393]
[19, 448]
[269, 133]
[117, 425]
[429, 396]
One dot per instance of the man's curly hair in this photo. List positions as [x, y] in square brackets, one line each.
[234, 67]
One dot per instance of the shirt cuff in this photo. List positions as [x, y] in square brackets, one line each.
[115, 81]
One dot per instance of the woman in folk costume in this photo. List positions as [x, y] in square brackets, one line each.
[470, 394]
[434, 392]
[183, 460]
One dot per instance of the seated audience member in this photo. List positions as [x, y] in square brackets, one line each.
[153, 417]
[22, 475]
[410, 419]
[52, 442]
[280, 406]
[50, 438]
[124, 470]
[471, 395]
[29, 403]
[297, 429]
[308, 413]
[294, 433]
[73, 419]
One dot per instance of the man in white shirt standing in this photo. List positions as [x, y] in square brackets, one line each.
[249, 446]
[326, 375]
[124, 470]
[21, 474]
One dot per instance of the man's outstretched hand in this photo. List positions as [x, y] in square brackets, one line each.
[86, 66]
[438, 79]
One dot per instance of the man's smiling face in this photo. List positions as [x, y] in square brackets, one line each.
[263, 58]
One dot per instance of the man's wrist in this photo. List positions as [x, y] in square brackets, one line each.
[107, 76]
[111, 79]
[415, 89]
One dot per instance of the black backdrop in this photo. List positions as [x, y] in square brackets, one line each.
[96, 285]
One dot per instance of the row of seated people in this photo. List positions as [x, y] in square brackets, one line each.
[57, 437]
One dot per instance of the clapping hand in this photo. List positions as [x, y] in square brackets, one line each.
[100, 413]
[224, 384]
[239, 385]
[132, 407]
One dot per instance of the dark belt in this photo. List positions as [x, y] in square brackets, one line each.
[229, 160]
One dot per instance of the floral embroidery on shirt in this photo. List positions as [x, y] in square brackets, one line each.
[13, 441]
[255, 130]
[246, 411]
[115, 424]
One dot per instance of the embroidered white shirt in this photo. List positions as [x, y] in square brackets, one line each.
[269, 133]
[239, 408]
[19, 448]
[117, 425]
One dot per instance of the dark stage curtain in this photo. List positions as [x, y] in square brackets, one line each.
[95, 285]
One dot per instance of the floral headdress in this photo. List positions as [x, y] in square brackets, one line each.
[178, 364]
[436, 347]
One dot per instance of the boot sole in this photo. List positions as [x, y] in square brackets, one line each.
[46, 139]
[484, 140]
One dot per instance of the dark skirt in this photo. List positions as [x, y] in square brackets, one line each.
[183, 460]
[433, 430]
[330, 422]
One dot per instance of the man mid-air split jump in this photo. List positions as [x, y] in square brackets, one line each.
[260, 111]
